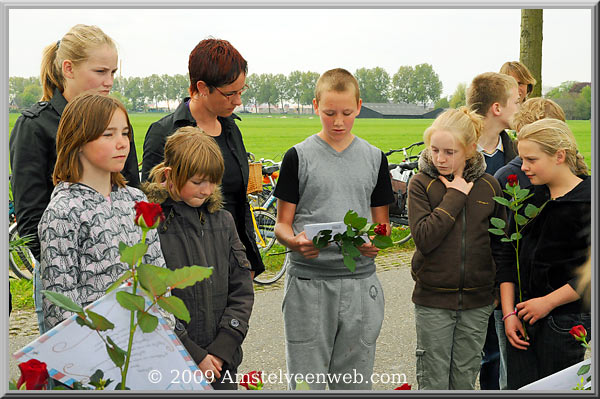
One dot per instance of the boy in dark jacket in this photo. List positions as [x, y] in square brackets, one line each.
[198, 231]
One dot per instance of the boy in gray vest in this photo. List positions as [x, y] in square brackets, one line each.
[332, 317]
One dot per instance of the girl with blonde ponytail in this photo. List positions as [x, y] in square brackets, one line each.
[449, 211]
[83, 60]
[554, 244]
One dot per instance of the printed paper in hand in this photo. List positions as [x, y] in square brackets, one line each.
[73, 353]
[311, 230]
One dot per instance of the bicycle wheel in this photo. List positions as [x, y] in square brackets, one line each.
[20, 259]
[265, 222]
[275, 265]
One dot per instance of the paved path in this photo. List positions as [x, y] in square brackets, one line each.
[264, 346]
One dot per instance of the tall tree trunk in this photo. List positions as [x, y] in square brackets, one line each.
[531, 46]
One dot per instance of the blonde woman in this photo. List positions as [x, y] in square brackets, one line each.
[522, 75]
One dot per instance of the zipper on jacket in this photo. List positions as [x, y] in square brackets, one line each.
[462, 258]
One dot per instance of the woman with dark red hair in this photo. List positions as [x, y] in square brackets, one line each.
[217, 80]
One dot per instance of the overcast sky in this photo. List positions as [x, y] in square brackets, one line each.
[458, 43]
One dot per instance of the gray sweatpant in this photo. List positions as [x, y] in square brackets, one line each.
[331, 327]
[449, 344]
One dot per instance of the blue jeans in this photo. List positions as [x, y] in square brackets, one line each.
[551, 349]
[489, 374]
[502, 342]
[37, 296]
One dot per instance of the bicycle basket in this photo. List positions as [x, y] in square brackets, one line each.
[254, 178]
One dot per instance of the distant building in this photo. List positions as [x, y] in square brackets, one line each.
[577, 87]
[397, 111]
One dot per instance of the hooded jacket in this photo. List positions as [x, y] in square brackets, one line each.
[554, 244]
[452, 265]
[219, 306]
[80, 232]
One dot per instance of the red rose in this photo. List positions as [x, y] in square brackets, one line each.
[252, 380]
[512, 180]
[148, 214]
[403, 387]
[33, 374]
[578, 332]
[381, 230]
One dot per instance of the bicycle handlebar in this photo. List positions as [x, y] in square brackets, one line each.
[404, 149]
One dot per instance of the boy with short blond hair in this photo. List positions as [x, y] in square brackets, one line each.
[495, 96]
[332, 317]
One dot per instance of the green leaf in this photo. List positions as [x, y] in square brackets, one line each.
[350, 232]
[358, 223]
[116, 356]
[101, 322]
[84, 322]
[382, 242]
[505, 239]
[174, 305]
[147, 322]
[130, 301]
[12, 386]
[497, 232]
[62, 301]
[322, 239]
[520, 219]
[153, 279]
[187, 276]
[97, 376]
[115, 346]
[131, 255]
[358, 241]
[515, 236]
[531, 211]
[349, 249]
[502, 201]
[302, 386]
[350, 263]
[118, 387]
[119, 281]
[583, 369]
[350, 217]
[498, 223]
[522, 193]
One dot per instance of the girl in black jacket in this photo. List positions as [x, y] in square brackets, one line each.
[198, 231]
[85, 59]
[554, 244]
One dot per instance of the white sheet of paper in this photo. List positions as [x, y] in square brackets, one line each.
[73, 353]
[565, 379]
[311, 230]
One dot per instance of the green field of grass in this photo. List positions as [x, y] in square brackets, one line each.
[271, 136]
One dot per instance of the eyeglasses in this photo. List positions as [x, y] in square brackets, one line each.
[234, 93]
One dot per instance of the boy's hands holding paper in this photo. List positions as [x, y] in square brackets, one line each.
[285, 234]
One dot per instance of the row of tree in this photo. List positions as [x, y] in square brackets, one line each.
[418, 85]
[575, 98]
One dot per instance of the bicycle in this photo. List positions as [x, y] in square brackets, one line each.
[264, 232]
[20, 258]
[400, 174]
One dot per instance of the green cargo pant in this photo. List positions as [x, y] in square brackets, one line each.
[449, 344]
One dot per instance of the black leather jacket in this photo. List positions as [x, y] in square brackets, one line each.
[154, 146]
[32, 149]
